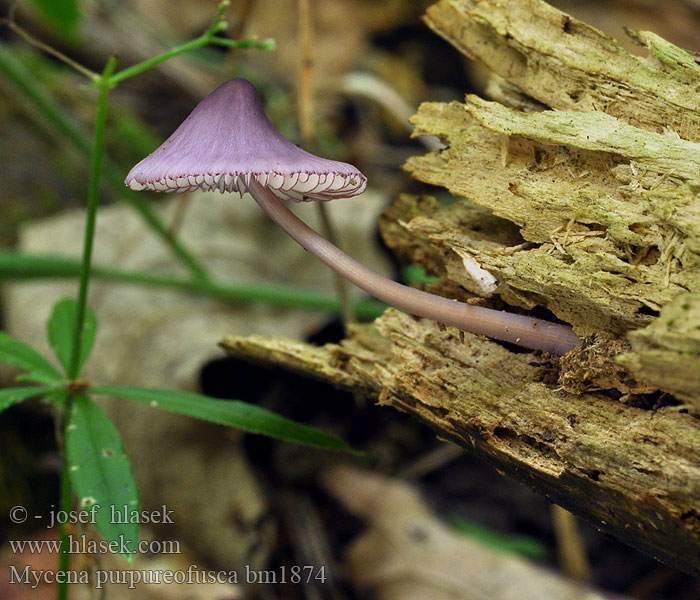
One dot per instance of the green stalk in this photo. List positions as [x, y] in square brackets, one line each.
[21, 266]
[66, 126]
[91, 217]
[66, 504]
[203, 40]
[73, 370]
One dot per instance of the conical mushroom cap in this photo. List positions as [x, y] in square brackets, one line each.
[227, 140]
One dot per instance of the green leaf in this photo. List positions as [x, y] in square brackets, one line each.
[10, 396]
[512, 544]
[56, 396]
[62, 15]
[61, 329]
[18, 354]
[234, 413]
[101, 474]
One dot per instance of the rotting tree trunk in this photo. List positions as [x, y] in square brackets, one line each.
[631, 472]
[582, 184]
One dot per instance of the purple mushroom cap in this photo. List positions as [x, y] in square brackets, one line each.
[227, 140]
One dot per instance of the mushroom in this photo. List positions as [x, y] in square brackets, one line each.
[228, 144]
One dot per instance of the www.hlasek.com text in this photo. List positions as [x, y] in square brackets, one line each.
[82, 544]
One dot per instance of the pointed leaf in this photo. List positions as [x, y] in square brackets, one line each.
[101, 473]
[61, 329]
[234, 413]
[10, 396]
[16, 353]
[63, 15]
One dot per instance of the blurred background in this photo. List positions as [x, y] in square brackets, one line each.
[246, 500]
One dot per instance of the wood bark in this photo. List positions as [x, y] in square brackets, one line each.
[632, 472]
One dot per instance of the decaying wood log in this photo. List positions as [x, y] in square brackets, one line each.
[567, 65]
[611, 229]
[604, 189]
[581, 195]
[632, 472]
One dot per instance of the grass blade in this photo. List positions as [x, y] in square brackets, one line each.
[63, 16]
[24, 266]
[523, 545]
[233, 413]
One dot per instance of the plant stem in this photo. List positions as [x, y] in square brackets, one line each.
[20, 266]
[63, 122]
[66, 503]
[208, 37]
[91, 217]
[85, 268]
[510, 327]
[114, 176]
[203, 40]
[28, 37]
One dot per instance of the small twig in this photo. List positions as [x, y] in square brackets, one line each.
[571, 549]
[29, 38]
[306, 84]
[432, 461]
[308, 135]
[341, 286]
[245, 9]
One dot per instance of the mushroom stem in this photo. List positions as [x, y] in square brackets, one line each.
[525, 331]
